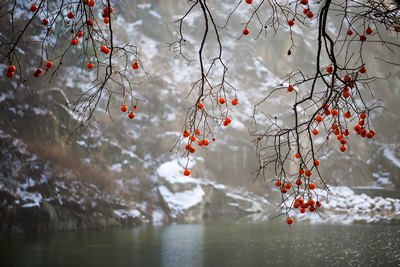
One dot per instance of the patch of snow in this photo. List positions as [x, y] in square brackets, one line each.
[193, 193]
[61, 184]
[3, 97]
[397, 206]
[389, 153]
[30, 205]
[236, 196]
[362, 205]
[28, 183]
[219, 186]
[20, 51]
[20, 146]
[131, 27]
[344, 207]
[39, 111]
[32, 199]
[155, 14]
[134, 213]
[369, 187]
[381, 202]
[94, 187]
[86, 160]
[181, 201]
[44, 178]
[59, 198]
[380, 174]
[148, 161]
[129, 153]
[144, 6]
[33, 157]
[171, 116]
[81, 143]
[341, 191]
[172, 170]
[119, 182]
[117, 167]
[4, 135]
[77, 200]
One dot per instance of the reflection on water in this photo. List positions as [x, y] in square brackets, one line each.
[183, 246]
[211, 245]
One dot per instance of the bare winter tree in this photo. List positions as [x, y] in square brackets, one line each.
[59, 29]
[336, 98]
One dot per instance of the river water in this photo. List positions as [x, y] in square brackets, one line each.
[214, 244]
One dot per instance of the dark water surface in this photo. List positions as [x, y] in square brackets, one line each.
[219, 245]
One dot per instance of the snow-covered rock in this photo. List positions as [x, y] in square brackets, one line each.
[344, 206]
[189, 199]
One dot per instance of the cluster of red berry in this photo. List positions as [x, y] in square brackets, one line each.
[131, 114]
[194, 139]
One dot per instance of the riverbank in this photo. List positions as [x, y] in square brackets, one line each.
[213, 202]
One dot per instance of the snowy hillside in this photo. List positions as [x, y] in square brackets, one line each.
[120, 171]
